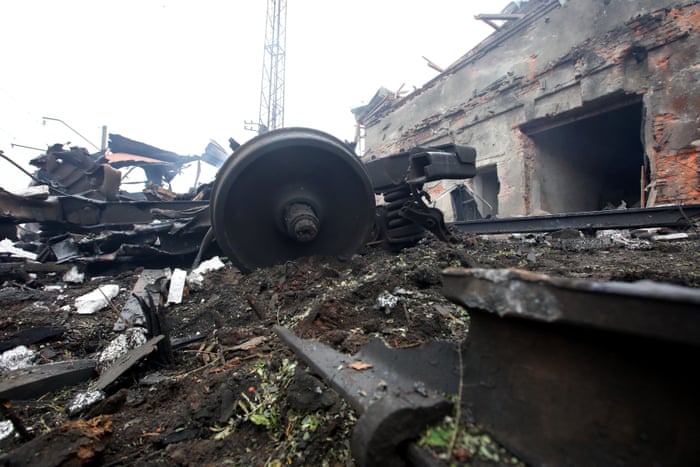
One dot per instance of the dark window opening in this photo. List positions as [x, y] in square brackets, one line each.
[464, 204]
[478, 201]
[590, 163]
[486, 188]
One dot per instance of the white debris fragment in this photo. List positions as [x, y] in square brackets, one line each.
[670, 237]
[74, 276]
[14, 359]
[130, 339]
[153, 379]
[622, 238]
[211, 264]
[646, 232]
[195, 279]
[386, 301]
[83, 400]
[34, 191]
[177, 286]
[402, 291]
[6, 429]
[7, 246]
[96, 300]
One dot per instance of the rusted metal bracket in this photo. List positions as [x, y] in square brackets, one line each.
[393, 391]
[422, 165]
[575, 372]
[430, 219]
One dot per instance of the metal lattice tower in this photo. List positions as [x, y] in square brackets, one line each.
[272, 88]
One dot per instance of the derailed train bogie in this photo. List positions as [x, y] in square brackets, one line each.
[299, 192]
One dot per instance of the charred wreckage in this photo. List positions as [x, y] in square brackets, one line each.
[299, 192]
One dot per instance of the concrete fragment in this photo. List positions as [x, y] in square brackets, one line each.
[126, 361]
[96, 300]
[386, 301]
[195, 279]
[83, 400]
[177, 286]
[14, 359]
[6, 429]
[120, 345]
[7, 246]
[74, 276]
[623, 238]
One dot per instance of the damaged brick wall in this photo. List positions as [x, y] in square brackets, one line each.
[554, 63]
[674, 96]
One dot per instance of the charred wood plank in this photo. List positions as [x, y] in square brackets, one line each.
[31, 336]
[125, 362]
[75, 443]
[7, 268]
[28, 383]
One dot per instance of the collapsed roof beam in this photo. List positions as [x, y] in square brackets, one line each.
[490, 18]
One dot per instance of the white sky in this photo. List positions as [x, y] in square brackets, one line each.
[175, 74]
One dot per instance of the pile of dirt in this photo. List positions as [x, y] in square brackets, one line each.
[238, 395]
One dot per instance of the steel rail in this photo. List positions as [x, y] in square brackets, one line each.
[663, 216]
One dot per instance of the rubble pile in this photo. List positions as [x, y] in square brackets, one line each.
[226, 388]
[77, 209]
[115, 350]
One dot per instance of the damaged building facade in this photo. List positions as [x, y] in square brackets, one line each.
[575, 105]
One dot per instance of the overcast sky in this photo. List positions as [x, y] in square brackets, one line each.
[175, 74]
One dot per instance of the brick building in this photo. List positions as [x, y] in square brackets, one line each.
[573, 105]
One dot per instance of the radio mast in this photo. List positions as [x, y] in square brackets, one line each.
[272, 87]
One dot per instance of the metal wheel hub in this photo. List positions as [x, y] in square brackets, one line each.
[291, 193]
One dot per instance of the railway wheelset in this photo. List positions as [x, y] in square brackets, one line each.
[297, 192]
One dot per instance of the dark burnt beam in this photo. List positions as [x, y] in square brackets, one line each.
[489, 19]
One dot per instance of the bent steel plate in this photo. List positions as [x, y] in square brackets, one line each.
[577, 372]
[397, 392]
[281, 168]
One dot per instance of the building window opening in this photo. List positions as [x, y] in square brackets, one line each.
[479, 199]
[589, 163]
[486, 186]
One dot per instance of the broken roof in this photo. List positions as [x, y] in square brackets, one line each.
[527, 11]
